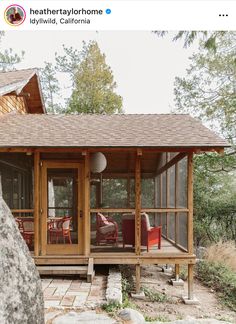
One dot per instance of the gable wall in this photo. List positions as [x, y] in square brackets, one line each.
[12, 103]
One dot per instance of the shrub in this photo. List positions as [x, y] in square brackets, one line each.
[220, 278]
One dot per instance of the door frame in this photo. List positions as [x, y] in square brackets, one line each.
[61, 249]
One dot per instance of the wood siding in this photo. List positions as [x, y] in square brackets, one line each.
[12, 103]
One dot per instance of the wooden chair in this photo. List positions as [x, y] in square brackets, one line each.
[149, 235]
[60, 229]
[26, 228]
[106, 230]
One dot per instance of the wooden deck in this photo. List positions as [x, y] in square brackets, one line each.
[168, 254]
[166, 247]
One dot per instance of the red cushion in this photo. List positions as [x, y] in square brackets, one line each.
[103, 220]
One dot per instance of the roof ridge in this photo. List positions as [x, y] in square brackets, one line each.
[28, 69]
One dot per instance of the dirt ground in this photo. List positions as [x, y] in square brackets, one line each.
[155, 280]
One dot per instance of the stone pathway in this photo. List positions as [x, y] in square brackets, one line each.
[68, 293]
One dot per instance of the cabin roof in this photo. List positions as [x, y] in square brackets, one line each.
[23, 83]
[123, 130]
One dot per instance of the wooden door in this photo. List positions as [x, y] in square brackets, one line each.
[61, 221]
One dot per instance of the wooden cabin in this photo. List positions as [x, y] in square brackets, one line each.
[137, 209]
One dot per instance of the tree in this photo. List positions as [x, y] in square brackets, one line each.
[94, 85]
[209, 93]
[209, 90]
[69, 62]
[50, 88]
[8, 59]
[209, 39]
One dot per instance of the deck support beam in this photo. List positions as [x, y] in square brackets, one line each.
[138, 277]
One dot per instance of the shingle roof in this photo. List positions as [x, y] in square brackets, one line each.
[167, 130]
[14, 80]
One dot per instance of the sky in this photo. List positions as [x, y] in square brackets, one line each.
[144, 65]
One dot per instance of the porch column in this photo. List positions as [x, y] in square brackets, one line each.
[190, 203]
[138, 202]
[86, 215]
[36, 202]
[138, 215]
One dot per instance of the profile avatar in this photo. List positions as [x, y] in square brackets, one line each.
[15, 15]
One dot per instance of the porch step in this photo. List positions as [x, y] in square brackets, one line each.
[85, 271]
[62, 270]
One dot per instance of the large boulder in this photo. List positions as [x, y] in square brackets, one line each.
[21, 297]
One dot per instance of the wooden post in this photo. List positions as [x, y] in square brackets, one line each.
[190, 281]
[128, 192]
[36, 203]
[138, 203]
[176, 203]
[190, 203]
[86, 216]
[177, 272]
[167, 195]
[138, 276]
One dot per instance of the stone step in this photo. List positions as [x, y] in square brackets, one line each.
[62, 270]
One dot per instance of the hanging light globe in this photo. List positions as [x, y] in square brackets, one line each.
[98, 162]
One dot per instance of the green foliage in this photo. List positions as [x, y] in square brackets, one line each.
[208, 38]
[209, 90]
[8, 58]
[214, 203]
[50, 88]
[209, 93]
[94, 90]
[111, 308]
[155, 296]
[68, 62]
[183, 272]
[220, 278]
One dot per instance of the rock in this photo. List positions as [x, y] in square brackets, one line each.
[21, 297]
[88, 317]
[191, 320]
[114, 287]
[129, 314]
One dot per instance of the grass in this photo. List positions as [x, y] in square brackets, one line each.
[159, 318]
[221, 278]
[222, 252]
[155, 296]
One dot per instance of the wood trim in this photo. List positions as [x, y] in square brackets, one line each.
[112, 210]
[163, 210]
[120, 259]
[21, 211]
[61, 249]
[58, 248]
[86, 216]
[176, 244]
[190, 203]
[170, 163]
[36, 202]
[138, 204]
[196, 150]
